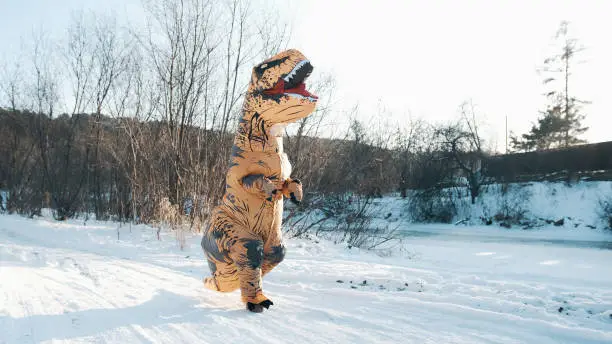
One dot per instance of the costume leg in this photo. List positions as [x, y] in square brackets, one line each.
[247, 254]
[224, 277]
[273, 255]
[216, 243]
[274, 250]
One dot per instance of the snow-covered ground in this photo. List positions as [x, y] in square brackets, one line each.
[70, 282]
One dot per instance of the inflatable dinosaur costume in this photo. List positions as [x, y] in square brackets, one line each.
[243, 241]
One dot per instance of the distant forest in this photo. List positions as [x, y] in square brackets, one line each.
[123, 168]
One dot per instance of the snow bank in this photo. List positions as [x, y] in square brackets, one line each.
[576, 204]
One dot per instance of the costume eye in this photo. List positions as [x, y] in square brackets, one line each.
[271, 64]
[262, 67]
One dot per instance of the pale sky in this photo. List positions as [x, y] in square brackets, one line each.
[422, 58]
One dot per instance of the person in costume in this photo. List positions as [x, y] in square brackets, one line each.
[243, 240]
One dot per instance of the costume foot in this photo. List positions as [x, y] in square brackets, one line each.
[266, 303]
[258, 307]
[210, 284]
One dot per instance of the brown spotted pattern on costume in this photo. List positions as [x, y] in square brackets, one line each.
[243, 240]
[266, 74]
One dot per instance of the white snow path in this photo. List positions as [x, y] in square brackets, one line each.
[65, 282]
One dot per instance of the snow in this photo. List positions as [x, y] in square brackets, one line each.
[70, 282]
[555, 200]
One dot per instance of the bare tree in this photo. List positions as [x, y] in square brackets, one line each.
[109, 63]
[79, 57]
[303, 146]
[410, 142]
[44, 98]
[181, 61]
[201, 52]
[464, 146]
[18, 155]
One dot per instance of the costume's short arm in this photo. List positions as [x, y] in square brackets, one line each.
[252, 182]
[259, 184]
[292, 189]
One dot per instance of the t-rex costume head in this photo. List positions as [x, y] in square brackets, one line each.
[278, 83]
[243, 241]
[276, 96]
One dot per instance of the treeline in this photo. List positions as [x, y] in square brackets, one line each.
[93, 164]
[123, 168]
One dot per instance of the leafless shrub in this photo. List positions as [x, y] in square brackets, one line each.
[511, 208]
[463, 145]
[604, 211]
[171, 217]
[341, 218]
[434, 205]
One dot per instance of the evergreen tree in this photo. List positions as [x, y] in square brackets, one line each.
[546, 134]
[561, 124]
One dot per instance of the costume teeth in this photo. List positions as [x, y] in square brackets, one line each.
[295, 69]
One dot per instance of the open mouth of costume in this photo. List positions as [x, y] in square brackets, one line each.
[292, 84]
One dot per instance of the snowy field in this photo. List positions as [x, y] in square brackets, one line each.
[76, 283]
